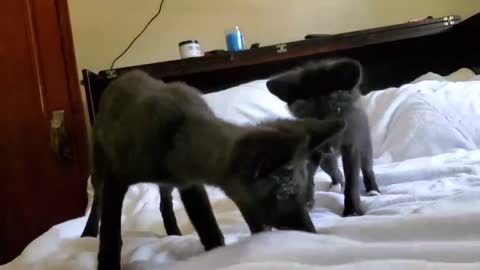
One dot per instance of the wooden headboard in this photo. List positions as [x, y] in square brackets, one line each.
[391, 56]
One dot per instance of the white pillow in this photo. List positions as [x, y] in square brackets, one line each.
[430, 76]
[463, 74]
[475, 78]
[248, 103]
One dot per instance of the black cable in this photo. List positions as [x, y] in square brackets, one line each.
[141, 32]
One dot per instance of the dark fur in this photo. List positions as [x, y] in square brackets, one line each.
[168, 214]
[330, 88]
[148, 131]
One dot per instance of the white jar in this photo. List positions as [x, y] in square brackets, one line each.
[189, 48]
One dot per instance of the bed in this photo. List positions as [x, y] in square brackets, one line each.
[423, 105]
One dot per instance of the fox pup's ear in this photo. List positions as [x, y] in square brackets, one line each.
[316, 79]
[332, 75]
[322, 131]
[261, 152]
[286, 86]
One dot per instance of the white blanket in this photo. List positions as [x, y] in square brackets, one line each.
[428, 216]
[424, 119]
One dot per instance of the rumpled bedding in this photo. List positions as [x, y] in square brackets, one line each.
[425, 138]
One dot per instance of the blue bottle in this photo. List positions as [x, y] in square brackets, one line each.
[234, 38]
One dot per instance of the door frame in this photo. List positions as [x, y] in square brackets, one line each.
[78, 125]
[50, 43]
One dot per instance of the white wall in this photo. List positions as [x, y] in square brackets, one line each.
[103, 28]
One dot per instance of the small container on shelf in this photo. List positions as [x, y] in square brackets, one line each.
[234, 39]
[189, 48]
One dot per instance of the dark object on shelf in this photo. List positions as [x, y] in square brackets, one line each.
[319, 36]
[424, 19]
[391, 56]
[255, 46]
[215, 52]
[397, 29]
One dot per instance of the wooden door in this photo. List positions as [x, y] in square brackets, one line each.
[38, 187]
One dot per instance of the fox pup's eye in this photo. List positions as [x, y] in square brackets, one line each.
[287, 190]
[286, 171]
[282, 175]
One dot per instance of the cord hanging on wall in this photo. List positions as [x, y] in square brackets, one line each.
[139, 34]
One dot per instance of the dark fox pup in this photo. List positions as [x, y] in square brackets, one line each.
[149, 131]
[326, 89]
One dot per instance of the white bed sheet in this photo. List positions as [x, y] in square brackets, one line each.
[427, 218]
[429, 214]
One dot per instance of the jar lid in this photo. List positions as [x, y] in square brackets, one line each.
[188, 42]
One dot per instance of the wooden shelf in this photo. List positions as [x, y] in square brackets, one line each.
[391, 56]
[294, 50]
